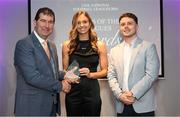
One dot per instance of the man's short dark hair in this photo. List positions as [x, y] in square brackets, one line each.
[130, 15]
[45, 11]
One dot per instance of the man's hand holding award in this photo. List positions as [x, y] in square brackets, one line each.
[72, 72]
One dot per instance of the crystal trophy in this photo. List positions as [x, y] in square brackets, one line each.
[73, 71]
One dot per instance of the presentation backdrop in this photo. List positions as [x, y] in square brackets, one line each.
[105, 15]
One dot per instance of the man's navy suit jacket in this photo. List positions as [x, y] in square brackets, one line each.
[37, 84]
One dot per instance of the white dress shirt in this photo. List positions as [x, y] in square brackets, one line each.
[128, 48]
[41, 40]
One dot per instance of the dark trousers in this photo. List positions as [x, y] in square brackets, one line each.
[54, 110]
[129, 111]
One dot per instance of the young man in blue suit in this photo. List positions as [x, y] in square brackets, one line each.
[133, 70]
[39, 80]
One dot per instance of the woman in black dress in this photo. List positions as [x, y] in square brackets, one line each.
[84, 47]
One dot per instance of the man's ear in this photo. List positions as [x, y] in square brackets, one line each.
[34, 23]
[137, 28]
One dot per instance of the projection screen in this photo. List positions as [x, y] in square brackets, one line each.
[105, 15]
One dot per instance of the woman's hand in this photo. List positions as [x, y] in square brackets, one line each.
[85, 72]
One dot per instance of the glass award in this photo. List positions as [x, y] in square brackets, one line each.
[73, 71]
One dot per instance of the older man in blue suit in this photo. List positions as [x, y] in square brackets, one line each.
[39, 80]
[133, 70]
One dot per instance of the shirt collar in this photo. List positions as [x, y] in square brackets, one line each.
[132, 42]
[41, 40]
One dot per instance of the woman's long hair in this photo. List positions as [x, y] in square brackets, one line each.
[73, 34]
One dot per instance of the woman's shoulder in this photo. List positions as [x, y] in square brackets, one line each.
[65, 45]
[100, 44]
[66, 42]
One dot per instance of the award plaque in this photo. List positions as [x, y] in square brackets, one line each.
[73, 71]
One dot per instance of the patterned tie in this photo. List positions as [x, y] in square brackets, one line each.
[46, 49]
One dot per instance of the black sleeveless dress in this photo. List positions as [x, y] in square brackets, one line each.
[84, 98]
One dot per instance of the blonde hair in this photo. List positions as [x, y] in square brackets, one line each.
[73, 34]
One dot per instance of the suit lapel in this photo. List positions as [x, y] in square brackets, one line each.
[39, 47]
[53, 58]
[136, 49]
